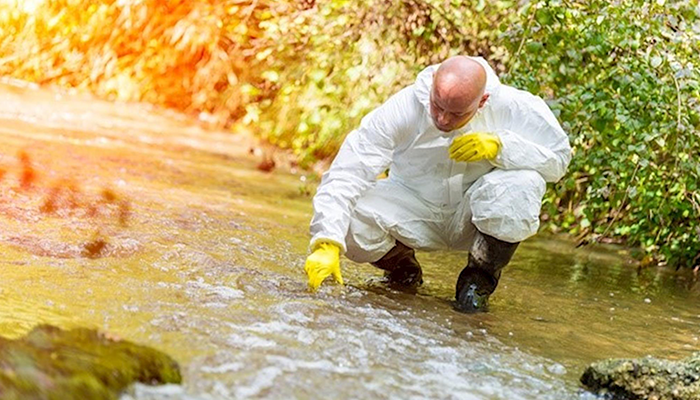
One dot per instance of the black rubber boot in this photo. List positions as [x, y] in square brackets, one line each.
[480, 277]
[402, 268]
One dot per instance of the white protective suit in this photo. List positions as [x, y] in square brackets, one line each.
[429, 201]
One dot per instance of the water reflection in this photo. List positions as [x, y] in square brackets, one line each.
[577, 306]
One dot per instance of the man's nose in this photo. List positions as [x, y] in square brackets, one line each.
[443, 119]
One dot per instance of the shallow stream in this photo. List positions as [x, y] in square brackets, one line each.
[140, 223]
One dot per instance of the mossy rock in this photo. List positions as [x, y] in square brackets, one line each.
[645, 378]
[51, 363]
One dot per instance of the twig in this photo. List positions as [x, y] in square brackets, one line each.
[248, 14]
[624, 199]
[441, 12]
[673, 150]
[443, 15]
[678, 96]
[526, 32]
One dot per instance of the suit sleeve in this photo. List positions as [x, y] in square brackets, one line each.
[366, 152]
[532, 138]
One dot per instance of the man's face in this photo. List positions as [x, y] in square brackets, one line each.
[450, 113]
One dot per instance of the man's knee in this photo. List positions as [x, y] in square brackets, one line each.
[506, 204]
[366, 241]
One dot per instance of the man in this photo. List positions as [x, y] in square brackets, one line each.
[468, 159]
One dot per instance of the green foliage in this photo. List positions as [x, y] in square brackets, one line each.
[622, 78]
[330, 65]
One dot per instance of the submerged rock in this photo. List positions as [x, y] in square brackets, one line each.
[51, 363]
[645, 378]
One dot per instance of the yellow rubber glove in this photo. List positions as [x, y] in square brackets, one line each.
[322, 263]
[475, 147]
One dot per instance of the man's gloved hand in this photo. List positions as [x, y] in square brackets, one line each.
[475, 147]
[323, 262]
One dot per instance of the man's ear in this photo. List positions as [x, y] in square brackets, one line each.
[483, 99]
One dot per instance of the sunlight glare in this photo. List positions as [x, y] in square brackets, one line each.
[28, 6]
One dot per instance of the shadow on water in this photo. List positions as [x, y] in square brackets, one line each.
[136, 224]
[93, 218]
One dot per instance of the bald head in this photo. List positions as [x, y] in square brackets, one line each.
[457, 92]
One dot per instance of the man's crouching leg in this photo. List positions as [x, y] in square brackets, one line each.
[505, 208]
[480, 277]
[368, 242]
[401, 266]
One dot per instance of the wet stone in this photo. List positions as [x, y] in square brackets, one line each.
[645, 378]
[51, 363]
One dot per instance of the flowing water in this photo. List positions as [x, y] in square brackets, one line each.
[142, 224]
